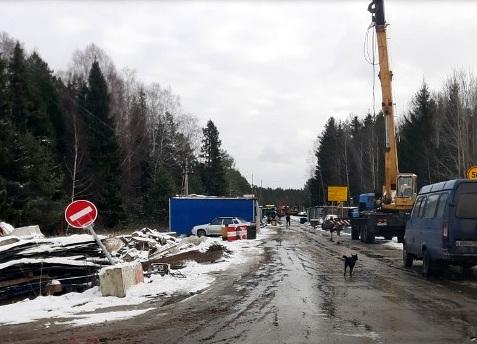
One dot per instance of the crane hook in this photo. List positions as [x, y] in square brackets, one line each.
[372, 7]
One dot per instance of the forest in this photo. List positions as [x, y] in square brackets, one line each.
[437, 140]
[93, 132]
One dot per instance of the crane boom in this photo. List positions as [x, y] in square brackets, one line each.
[399, 189]
[386, 216]
[391, 168]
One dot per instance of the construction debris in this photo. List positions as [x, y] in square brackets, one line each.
[115, 280]
[32, 266]
[27, 266]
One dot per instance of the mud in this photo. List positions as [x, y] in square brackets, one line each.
[296, 293]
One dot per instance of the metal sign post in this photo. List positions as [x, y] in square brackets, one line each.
[100, 244]
[81, 214]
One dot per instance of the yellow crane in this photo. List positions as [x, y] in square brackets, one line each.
[387, 215]
[399, 189]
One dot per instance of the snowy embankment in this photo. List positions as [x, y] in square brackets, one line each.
[90, 307]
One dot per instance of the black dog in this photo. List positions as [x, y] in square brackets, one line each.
[350, 261]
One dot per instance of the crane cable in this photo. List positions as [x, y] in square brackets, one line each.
[371, 59]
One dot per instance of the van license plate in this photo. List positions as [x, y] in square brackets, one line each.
[466, 243]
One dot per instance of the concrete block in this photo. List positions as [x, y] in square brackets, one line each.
[115, 280]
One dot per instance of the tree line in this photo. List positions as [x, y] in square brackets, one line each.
[437, 140]
[91, 132]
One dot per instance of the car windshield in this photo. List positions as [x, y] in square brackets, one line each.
[216, 221]
[241, 219]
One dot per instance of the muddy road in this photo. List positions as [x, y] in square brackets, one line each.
[295, 292]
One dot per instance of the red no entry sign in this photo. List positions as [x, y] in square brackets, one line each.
[80, 213]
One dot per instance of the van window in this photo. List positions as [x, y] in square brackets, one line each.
[441, 205]
[415, 210]
[431, 206]
[423, 206]
[466, 206]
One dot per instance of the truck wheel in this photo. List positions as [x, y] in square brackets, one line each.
[201, 233]
[370, 239]
[427, 264]
[354, 233]
[369, 235]
[400, 238]
[407, 258]
[388, 237]
[467, 271]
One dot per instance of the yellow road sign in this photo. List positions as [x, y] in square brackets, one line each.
[337, 193]
[472, 172]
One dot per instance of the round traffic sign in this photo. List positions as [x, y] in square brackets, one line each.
[472, 172]
[80, 213]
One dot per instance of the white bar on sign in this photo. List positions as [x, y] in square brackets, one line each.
[81, 213]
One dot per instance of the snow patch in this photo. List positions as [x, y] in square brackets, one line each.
[197, 277]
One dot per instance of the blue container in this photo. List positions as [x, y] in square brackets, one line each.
[187, 212]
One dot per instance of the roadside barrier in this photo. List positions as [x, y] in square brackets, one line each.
[231, 233]
[242, 232]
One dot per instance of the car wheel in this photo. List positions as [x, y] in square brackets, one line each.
[427, 264]
[201, 233]
[406, 257]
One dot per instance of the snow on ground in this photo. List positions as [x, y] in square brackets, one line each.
[90, 307]
[394, 244]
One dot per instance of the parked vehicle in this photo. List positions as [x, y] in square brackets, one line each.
[442, 228]
[216, 225]
[392, 207]
[189, 211]
[269, 212]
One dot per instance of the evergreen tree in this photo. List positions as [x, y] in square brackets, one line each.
[30, 175]
[156, 201]
[18, 88]
[328, 158]
[416, 146]
[104, 162]
[212, 167]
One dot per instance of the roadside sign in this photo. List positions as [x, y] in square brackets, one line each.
[472, 172]
[337, 193]
[81, 213]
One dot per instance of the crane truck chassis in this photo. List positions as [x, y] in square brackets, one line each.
[371, 224]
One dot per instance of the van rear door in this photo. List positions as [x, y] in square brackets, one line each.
[463, 223]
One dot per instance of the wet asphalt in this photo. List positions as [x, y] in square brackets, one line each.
[295, 292]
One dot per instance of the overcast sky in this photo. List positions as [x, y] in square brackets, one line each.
[269, 74]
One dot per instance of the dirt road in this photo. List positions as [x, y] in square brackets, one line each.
[296, 293]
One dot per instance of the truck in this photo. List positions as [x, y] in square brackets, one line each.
[388, 215]
[186, 212]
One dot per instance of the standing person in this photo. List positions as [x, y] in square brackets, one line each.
[288, 220]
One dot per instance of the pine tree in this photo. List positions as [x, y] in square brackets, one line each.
[104, 162]
[416, 146]
[212, 168]
[30, 175]
[18, 88]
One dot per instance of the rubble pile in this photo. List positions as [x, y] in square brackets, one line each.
[142, 244]
[29, 265]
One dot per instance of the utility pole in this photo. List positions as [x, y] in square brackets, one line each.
[186, 179]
